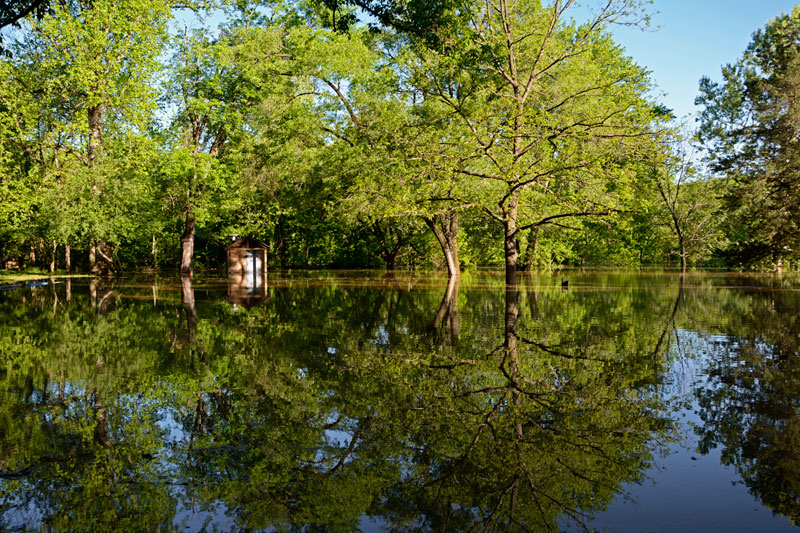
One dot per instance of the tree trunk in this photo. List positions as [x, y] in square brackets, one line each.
[67, 258]
[53, 257]
[95, 117]
[100, 258]
[390, 258]
[445, 324]
[92, 257]
[188, 305]
[526, 261]
[683, 256]
[510, 241]
[281, 243]
[32, 255]
[445, 227]
[187, 243]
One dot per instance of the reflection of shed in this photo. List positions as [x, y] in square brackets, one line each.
[247, 256]
[247, 290]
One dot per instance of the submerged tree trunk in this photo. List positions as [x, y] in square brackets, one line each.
[511, 254]
[445, 325]
[189, 308]
[445, 227]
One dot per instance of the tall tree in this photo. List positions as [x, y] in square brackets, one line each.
[749, 125]
[552, 112]
[689, 205]
[91, 66]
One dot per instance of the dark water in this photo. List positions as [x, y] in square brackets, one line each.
[351, 401]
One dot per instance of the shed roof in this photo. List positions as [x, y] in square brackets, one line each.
[247, 242]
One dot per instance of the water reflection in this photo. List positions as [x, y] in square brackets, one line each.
[247, 289]
[416, 403]
[750, 407]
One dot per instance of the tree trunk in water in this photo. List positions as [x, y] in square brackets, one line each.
[510, 242]
[188, 305]
[445, 324]
[187, 243]
[511, 337]
[445, 228]
[683, 261]
[67, 258]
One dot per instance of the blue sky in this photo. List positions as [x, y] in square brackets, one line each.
[695, 39]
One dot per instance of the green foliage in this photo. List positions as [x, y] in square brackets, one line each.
[748, 125]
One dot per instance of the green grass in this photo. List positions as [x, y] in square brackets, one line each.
[11, 276]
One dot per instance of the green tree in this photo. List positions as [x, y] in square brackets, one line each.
[749, 125]
[689, 206]
[552, 113]
[89, 69]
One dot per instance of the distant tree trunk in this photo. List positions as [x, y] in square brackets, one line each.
[92, 257]
[445, 227]
[526, 261]
[53, 257]
[281, 242]
[32, 254]
[100, 261]
[187, 242]
[100, 258]
[67, 257]
[779, 266]
[391, 241]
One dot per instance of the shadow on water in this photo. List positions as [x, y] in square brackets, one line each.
[409, 403]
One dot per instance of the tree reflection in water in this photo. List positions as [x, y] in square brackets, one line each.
[326, 404]
[750, 406]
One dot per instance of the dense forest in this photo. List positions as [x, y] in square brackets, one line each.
[357, 133]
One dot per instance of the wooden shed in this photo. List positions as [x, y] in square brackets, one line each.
[247, 256]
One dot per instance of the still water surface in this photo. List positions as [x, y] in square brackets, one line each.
[353, 401]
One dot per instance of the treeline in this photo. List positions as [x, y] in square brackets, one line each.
[344, 133]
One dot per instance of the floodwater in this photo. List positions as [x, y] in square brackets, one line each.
[342, 401]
